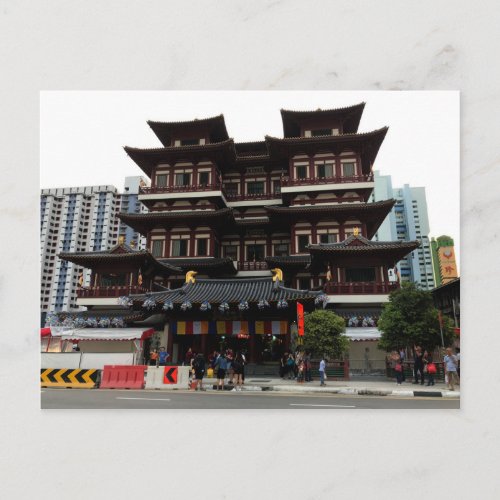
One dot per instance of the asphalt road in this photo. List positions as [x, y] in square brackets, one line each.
[129, 399]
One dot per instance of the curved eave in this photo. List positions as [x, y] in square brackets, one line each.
[338, 208]
[349, 115]
[289, 262]
[210, 265]
[147, 159]
[163, 130]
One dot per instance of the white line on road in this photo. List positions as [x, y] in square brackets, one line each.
[333, 406]
[147, 399]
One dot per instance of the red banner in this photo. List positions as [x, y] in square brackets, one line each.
[300, 319]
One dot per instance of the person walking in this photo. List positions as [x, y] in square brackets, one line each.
[220, 368]
[429, 368]
[238, 371]
[450, 368]
[397, 366]
[418, 366]
[229, 371]
[402, 355]
[300, 372]
[283, 367]
[307, 366]
[199, 371]
[290, 364]
[189, 357]
[322, 371]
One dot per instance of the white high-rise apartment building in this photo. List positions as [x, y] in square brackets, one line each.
[76, 219]
[408, 220]
[130, 204]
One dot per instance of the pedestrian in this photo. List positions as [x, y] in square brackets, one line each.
[163, 356]
[450, 368]
[189, 357]
[243, 357]
[220, 367]
[307, 366]
[402, 355]
[199, 371]
[397, 366]
[238, 371]
[301, 372]
[458, 366]
[429, 368]
[322, 371]
[153, 358]
[418, 365]
[230, 371]
[283, 366]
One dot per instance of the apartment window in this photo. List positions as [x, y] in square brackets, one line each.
[281, 249]
[231, 251]
[325, 170]
[161, 180]
[204, 178]
[303, 241]
[201, 246]
[328, 238]
[301, 171]
[157, 249]
[256, 187]
[255, 252]
[321, 131]
[182, 179]
[348, 169]
[179, 248]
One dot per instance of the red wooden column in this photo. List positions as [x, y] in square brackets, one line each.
[170, 342]
[251, 349]
[204, 345]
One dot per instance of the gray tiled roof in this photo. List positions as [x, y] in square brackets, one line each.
[230, 291]
[365, 245]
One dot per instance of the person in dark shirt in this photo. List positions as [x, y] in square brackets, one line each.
[189, 356]
[418, 367]
[199, 371]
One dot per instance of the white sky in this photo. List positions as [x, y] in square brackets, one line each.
[82, 134]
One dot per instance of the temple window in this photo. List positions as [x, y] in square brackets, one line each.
[321, 131]
[182, 179]
[302, 242]
[157, 248]
[179, 248]
[255, 187]
[161, 180]
[281, 249]
[204, 178]
[231, 188]
[231, 251]
[255, 252]
[348, 169]
[363, 274]
[324, 170]
[301, 171]
[328, 238]
[277, 187]
[189, 142]
[201, 246]
[113, 279]
[304, 283]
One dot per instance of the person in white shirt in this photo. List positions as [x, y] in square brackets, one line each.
[322, 366]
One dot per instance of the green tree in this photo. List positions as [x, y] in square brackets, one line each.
[410, 318]
[323, 334]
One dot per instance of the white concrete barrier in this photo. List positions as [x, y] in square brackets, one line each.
[163, 377]
[97, 360]
[60, 360]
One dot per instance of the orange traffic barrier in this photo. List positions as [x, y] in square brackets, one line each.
[123, 377]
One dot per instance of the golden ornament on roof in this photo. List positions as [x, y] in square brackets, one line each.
[190, 276]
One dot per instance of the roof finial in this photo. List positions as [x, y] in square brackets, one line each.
[278, 274]
[190, 276]
[121, 240]
[356, 231]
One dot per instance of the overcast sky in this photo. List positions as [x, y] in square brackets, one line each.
[82, 134]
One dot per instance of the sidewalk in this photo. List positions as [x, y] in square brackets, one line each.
[379, 387]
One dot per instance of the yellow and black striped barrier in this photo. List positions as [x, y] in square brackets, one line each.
[69, 377]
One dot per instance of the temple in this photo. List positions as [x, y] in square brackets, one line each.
[238, 233]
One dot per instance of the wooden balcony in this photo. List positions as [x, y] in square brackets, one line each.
[180, 189]
[359, 288]
[311, 181]
[251, 197]
[108, 291]
[252, 266]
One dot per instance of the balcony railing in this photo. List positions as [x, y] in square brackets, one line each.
[180, 189]
[308, 181]
[108, 291]
[338, 288]
[253, 196]
[252, 266]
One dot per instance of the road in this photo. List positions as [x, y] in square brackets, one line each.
[142, 399]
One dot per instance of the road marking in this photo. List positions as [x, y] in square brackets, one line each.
[332, 406]
[147, 399]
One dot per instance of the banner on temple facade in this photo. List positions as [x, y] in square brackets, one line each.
[229, 327]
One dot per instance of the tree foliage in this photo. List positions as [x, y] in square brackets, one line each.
[410, 318]
[323, 334]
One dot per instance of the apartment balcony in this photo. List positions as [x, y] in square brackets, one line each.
[359, 288]
[289, 185]
[105, 292]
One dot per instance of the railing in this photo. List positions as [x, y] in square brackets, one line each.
[108, 291]
[337, 288]
[180, 189]
[254, 196]
[252, 266]
[287, 181]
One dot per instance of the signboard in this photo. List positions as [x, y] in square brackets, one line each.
[170, 375]
[447, 264]
[300, 319]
